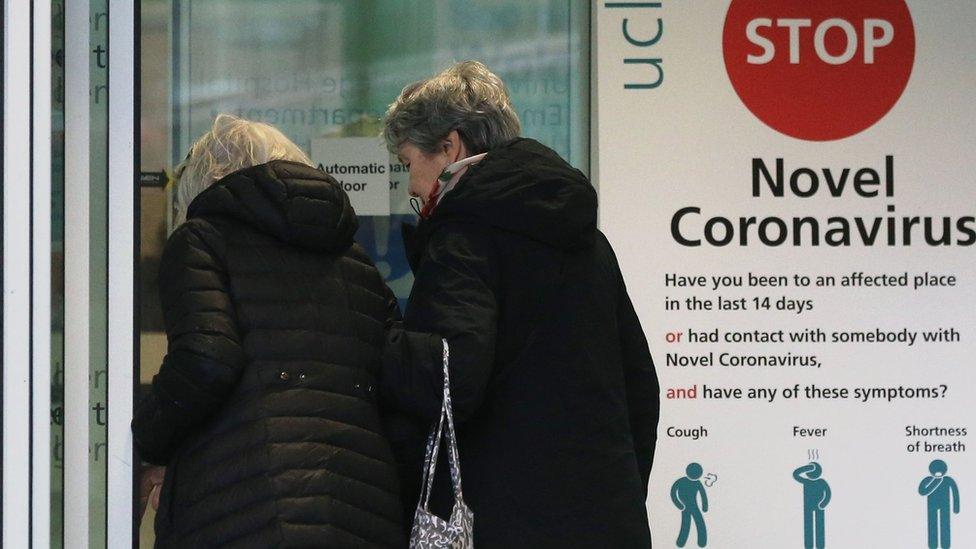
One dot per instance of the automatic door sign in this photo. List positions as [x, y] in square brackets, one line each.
[361, 166]
[819, 70]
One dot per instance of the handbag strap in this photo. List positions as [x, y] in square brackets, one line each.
[433, 442]
[430, 462]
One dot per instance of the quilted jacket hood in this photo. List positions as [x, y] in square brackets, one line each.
[295, 203]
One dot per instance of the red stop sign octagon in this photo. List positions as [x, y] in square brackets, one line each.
[819, 70]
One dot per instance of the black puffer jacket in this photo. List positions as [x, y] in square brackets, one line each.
[552, 381]
[264, 409]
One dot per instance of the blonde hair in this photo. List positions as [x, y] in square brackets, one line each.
[466, 97]
[232, 144]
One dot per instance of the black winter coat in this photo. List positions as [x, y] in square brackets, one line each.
[552, 381]
[264, 410]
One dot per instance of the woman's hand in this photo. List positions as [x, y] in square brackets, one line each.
[150, 486]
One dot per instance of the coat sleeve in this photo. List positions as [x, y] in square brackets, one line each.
[454, 297]
[204, 358]
[411, 364]
[643, 390]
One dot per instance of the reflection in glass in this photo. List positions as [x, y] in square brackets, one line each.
[57, 274]
[98, 261]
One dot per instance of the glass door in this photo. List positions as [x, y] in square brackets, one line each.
[92, 447]
[322, 70]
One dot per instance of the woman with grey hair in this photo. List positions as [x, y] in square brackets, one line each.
[553, 386]
[263, 410]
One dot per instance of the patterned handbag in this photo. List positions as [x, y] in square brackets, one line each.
[430, 531]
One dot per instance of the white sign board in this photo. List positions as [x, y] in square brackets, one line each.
[789, 188]
[361, 165]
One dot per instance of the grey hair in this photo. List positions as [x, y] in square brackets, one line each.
[232, 144]
[466, 97]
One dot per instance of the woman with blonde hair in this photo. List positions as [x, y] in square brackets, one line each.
[264, 410]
